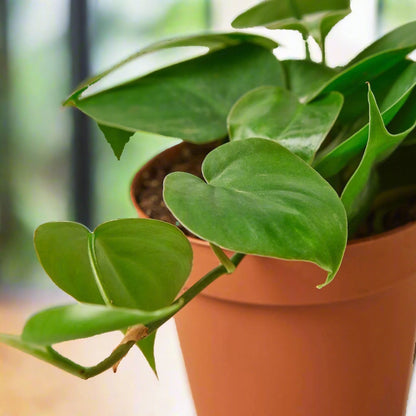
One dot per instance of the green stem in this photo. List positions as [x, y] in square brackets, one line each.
[197, 288]
[223, 258]
[307, 49]
[323, 52]
[51, 356]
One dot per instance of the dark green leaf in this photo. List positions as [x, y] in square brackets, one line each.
[190, 100]
[64, 323]
[334, 161]
[116, 137]
[354, 77]
[212, 41]
[403, 37]
[381, 144]
[275, 113]
[315, 18]
[261, 199]
[305, 77]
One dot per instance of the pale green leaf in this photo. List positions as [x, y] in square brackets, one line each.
[68, 322]
[275, 113]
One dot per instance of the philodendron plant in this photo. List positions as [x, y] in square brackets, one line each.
[310, 156]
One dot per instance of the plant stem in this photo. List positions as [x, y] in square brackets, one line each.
[51, 356]
[223, 258]
[307, 50]
[323, 52]
[197, 288]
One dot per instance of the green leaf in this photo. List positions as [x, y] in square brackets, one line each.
[147, 347]
[315, 18]
[381, 144]
[189, 100]
[261, 199]
[353, 78]
[117, 138]
[131, 263]
[68, 322]
[403, 37]
[275, 113]
[212, 41]
[62, 249]
[304, 77]
[335, 160]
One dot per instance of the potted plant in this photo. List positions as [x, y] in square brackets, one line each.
[298, 158]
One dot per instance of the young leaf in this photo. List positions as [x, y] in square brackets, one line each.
[381, 144]
[65, 323]
[261, 199]
[315, 18]
[131, 263]
[189, 100]
[334, 161]
[275, 113]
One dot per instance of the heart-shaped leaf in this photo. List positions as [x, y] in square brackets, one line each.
[189, 100]
[130, 263]
[275, 113]
[381, 144]
[315, 18]
[334, 161]
[261, 199]
[65, 323]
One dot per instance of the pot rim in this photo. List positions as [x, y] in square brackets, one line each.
[355, 242]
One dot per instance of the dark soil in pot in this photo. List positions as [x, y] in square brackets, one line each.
[189, 159]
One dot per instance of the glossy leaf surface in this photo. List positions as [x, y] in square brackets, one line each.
[305, 77]
[189, 100]
[131, 263]
[403, 37]
[275, 113]
[335, 160]
[353, 78]
[212, 41]
[315, 18]
[68, 322]
[261, 199]
[380, 145]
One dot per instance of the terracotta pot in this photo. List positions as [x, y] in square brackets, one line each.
[264, 341]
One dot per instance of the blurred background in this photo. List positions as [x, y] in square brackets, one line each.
[54, 165]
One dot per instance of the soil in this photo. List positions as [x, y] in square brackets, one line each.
[149, 195]
[189, 159]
